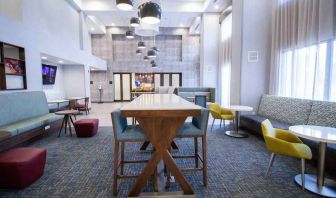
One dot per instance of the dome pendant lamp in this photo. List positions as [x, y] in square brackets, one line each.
[135, 22]
[124, 4]
[146, 58]
[151, 54]
[138, 52]
[149, 12]
[129, 34]
[141, 45]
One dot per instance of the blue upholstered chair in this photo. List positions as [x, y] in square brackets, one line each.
[195, 129]
[124, 133]
[200, 100]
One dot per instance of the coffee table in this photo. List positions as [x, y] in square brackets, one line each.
[237, 109]
[318, 185]
[67, 120]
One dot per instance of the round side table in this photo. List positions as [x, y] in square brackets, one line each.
[67, 120]
[317, 184]
[237, 109]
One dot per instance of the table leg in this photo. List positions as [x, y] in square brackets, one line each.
[69, 123]
[236, 133]
[59, 134]
[66, 123]
[319, 184]
[161, 132]
[145, 145]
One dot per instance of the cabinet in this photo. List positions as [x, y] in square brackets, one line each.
[12, 67]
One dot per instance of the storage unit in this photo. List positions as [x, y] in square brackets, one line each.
[12, 67]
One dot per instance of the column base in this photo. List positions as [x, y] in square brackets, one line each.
[236, 134]
[328, 190]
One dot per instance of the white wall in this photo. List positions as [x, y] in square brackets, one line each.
[74, 80]
[252, 26]
[51, 27]
[257, 34]
[209, 50]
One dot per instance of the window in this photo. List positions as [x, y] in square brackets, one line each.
[309, 72]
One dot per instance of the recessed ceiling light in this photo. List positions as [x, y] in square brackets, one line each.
[60, 61]
[44, 57]
[112, 24]
[181, 25]
[216, 7]
[92, 29]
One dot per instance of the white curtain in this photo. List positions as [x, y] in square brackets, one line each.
[225, 60]
[302, 45]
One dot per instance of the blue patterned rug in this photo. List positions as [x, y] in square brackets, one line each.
[83, 167]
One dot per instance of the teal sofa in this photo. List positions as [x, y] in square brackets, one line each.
[23, 112]
[190, 92]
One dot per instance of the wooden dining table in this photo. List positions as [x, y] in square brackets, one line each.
[161, 116]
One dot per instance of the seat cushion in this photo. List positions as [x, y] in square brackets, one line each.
[188, 129]
[79, 106]
[253, 122]
[21, 167]
[23, 126]
[51, 118]
[132, 132]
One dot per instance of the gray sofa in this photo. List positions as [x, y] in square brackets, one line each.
[284, 112]
[23, 112]
[186, 92]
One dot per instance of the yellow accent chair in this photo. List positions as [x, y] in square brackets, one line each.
[218, 112]
[283, 142]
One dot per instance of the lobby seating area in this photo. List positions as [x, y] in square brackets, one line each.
[167, 98]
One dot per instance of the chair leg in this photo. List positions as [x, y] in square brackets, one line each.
[204, 156]
[196, 151]
[115, 169]
[122, 155]
[213, 123]
[303, 173]
[270, 164]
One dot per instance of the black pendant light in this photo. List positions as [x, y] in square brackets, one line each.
[129, 34]
[138, 52]
[146, 58]
[124, 4]
[155, 49]
[151, 54]
[141, 45]
[149, 12]
[152, 62]
[154, 65]
[135, 22]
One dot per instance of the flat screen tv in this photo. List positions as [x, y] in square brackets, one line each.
[48, 74]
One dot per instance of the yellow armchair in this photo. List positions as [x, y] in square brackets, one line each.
[283, 142]
[220, 113]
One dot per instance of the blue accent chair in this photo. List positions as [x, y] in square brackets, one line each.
[201, 100]
[195, 129]
[124, 133]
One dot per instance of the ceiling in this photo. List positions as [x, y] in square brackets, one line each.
[175, 13]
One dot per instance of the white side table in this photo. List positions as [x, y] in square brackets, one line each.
[319, 185]
[237, 109]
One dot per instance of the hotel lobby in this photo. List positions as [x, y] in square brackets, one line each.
[167, 98]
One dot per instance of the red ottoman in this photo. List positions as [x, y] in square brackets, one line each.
[86, 127]
[21, 167]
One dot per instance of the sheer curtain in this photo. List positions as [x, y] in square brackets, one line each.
[302, 47]
[225, 60]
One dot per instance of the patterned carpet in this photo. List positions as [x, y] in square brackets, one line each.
[82, 167]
